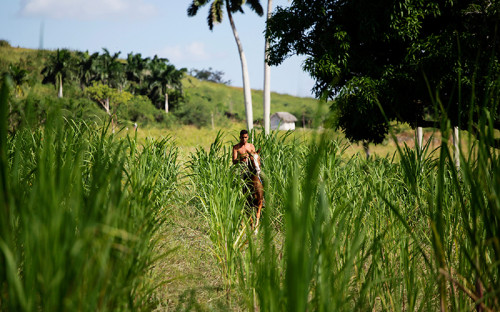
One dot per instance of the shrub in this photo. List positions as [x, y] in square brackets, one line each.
[4, 43]
[193, 114]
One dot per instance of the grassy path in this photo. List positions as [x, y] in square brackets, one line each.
[193, 274]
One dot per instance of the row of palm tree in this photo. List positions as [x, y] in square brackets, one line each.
[155, 78]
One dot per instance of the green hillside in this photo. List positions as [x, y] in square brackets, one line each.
[200, 103]
[222, 98]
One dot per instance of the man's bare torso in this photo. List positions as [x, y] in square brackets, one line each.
[242, 151]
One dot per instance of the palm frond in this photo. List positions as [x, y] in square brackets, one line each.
[193, 8]
[256, 7]
[235, 6]
[215, 14]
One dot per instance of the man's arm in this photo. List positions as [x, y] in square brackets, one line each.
[235, 155]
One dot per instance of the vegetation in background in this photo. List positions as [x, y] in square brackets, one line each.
[209, 75]
[151, 81]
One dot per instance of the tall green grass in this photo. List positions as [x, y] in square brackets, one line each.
[80, 214]
[344, 234]
[217, 190]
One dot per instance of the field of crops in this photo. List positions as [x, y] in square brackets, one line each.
[84, 215]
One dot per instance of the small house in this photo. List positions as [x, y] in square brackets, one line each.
[283, 121]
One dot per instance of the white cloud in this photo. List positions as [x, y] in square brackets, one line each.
[193, 52]
[87, 9]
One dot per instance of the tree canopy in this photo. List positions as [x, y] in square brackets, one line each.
[399, 55]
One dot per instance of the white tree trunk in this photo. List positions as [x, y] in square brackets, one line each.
[420, 138]
[106, 106]
[456, 142]
[244, 68]
[267, 79]
[60, 93]
[166, 102]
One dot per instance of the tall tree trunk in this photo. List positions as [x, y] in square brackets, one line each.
[420, 138]
[60, 93]
[106, 106]
[244, 69]
[267, 78]
[166, 102]
[456, 142]
[366, 148]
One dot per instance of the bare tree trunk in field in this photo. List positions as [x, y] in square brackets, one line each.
[166, 102]
[106, 106]
[244, 68]
[60, 93]
[366, 148]
[420, 138]
[267, 79]
[456, 141]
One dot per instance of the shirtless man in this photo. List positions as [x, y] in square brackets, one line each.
[242, 150]
[253, 185]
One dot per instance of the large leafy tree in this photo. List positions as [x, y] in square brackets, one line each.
[215, 15]
[399, 54]
[109, 98]
[59, 67]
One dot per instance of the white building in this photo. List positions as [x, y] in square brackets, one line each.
[283, 120]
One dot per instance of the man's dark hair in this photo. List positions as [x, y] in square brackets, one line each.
[242, 132]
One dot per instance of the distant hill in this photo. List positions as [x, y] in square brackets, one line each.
[208, 98]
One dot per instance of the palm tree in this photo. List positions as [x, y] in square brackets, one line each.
[58, 69]
[215, 15]
[110, 69]
[19, 77]
[86, 67]
[163, 77]
[135, 68]
[267, 78]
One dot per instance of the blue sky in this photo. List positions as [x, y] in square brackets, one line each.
[152, 27]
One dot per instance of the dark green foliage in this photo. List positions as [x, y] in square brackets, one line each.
[4, 44]
[209, 75]
[402, 53]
